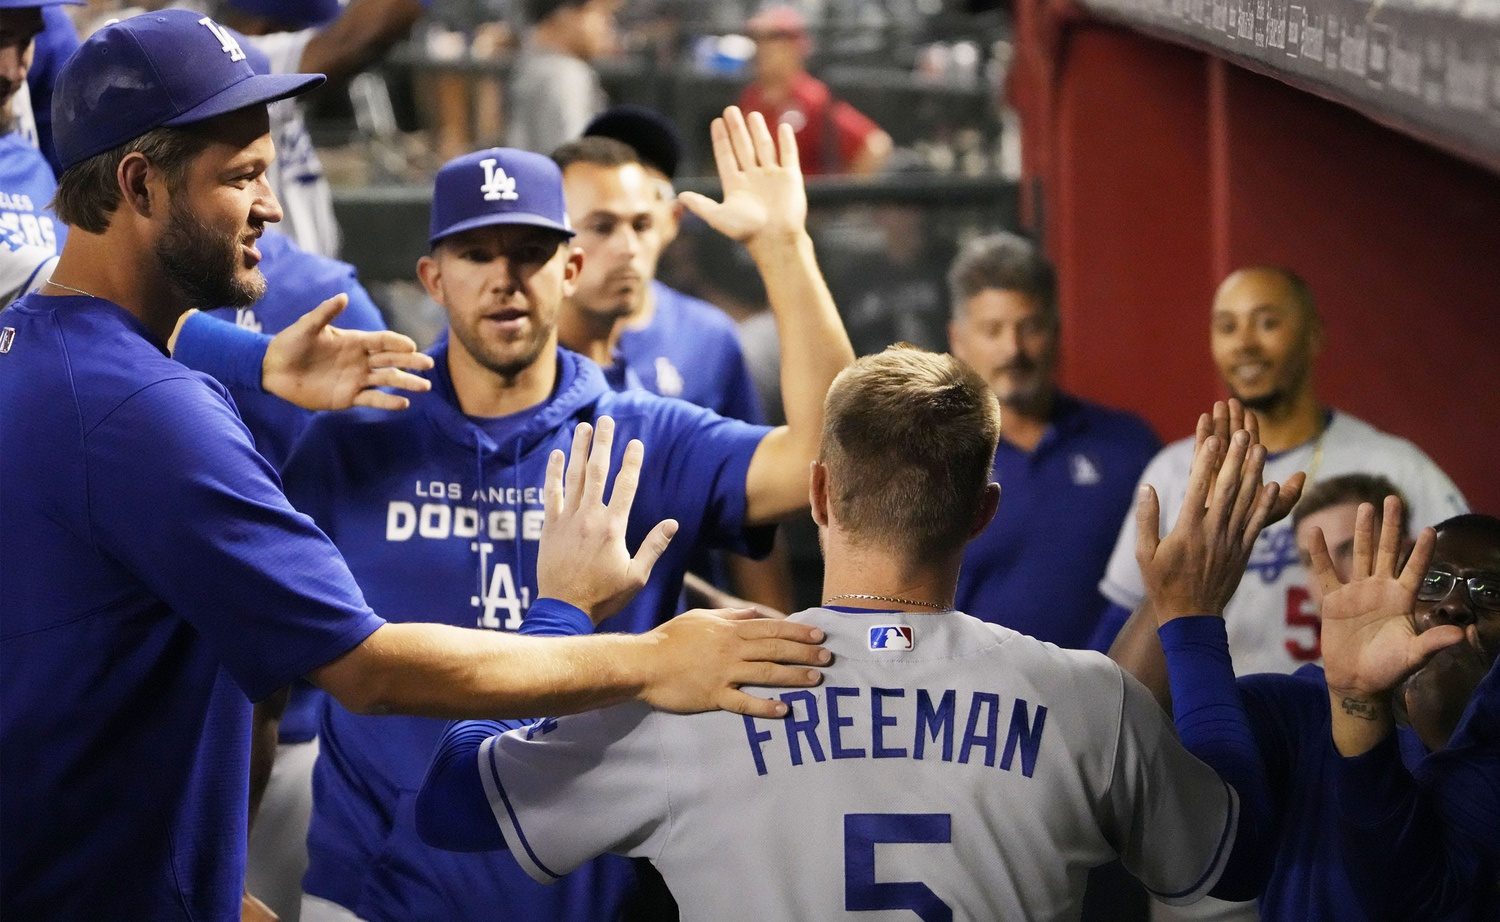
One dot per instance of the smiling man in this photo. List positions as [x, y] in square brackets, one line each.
[1265, 335]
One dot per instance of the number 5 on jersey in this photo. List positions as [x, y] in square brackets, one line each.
[864, 831]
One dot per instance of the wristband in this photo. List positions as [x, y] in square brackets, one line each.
[230, 353]
[555, 618]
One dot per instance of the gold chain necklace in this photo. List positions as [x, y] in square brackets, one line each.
[936, 606]
[71, 288]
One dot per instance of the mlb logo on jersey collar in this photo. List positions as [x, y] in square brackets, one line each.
[892, 638]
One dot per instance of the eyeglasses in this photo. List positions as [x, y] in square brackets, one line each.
[1484, 591]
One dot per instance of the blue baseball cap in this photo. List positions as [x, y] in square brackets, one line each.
[652, 136]
[498, 186]
[165, 69]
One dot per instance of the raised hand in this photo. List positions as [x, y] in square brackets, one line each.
[1370, 640]
[1195, 569]
[319, 367]
[1229, 417]
[582, 559]
[702, 657]
[761, 178]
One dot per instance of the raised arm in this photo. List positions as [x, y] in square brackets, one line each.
[359, 37]
[1404, 860]
[1189, 576]
[765, 207]
[1137, 648]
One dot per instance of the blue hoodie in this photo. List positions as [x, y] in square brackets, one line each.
[438, 515]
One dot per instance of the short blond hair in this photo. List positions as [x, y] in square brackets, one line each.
[909, 441]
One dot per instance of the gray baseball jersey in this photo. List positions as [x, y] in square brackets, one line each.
[1273, 624]
[946, 767]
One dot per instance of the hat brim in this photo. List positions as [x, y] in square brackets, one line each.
[498, 219]
[256, 90]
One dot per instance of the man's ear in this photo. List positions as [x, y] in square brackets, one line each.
[817, 489]
[133, 176]
[430, 273]
[571, 270]
[985, 514]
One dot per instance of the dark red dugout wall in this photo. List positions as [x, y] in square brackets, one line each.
[1153, 170]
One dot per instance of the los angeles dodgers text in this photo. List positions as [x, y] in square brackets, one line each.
[841, 722]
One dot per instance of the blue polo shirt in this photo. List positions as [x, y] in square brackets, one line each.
[1035, 569]
[153, 582]
[439, 515]
[691, 350]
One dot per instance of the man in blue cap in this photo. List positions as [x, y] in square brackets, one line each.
[439, 511]
[155, 577]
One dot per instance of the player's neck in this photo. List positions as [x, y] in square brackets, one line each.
[643, 314]
[482, 392]
[87, 264]
[861, 570]
[589, 334]
[1292, 423]
[547, 37]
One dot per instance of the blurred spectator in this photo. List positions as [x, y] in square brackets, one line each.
[554, 90]
[832, 136]
[57, 41]
[319, 37]
[895, 293]
[1067, 468]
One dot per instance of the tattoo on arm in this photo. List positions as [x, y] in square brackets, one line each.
[1363, 708]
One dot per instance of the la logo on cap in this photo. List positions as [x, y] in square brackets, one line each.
[227, 42]
[497, 186]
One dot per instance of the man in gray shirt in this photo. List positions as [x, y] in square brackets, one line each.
[554, 91]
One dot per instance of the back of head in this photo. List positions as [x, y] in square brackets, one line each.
[595, 151]
[909, 441]
[1004, 262]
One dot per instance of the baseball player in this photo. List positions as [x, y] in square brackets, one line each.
[155, 578]
[948, 768]
[441, 510]
[1265, 337]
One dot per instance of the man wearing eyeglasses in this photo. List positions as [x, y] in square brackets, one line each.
[1360, 767]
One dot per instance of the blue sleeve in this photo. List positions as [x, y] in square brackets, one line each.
[1108, 628]
[453, 812]
[1213, 725]
[701, 478]
[178, 494]
[231, 354]
[1398, 860]
[555, 618]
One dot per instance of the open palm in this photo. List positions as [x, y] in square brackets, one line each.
[761, 178]
[1370, 641]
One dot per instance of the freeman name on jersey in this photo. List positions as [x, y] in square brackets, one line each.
[844, 722]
